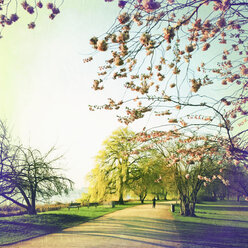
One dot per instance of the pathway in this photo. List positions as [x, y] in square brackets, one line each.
[141, 226]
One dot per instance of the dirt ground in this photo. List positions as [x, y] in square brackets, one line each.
[141, 226]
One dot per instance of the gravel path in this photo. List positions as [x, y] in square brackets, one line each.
[141, 226]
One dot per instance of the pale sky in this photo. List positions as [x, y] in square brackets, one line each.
[46, 87]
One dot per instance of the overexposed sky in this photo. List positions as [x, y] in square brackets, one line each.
[45, 87]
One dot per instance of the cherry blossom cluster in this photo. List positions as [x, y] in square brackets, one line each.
[30, 7]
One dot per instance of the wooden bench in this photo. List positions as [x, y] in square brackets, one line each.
[93, 204]
[74, 205]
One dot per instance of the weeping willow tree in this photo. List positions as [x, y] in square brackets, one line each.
[116, 166]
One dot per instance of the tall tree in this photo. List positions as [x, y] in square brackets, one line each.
[194, 163]
[34, 177]
[149, 173]
[154, 177]
[27, 175]
[116, 165]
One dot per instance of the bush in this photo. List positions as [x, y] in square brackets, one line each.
[205, 197]
[50, 207]
[10, 210]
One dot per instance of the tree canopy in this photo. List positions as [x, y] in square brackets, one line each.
[195, 163]
[155, 178]
[116, 165]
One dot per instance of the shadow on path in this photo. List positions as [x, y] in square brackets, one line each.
[140, 226]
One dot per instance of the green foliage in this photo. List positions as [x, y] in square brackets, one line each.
[205, 194]
[155, 178]
[192, 162]
[148, 174]
[116, 166]
[85, 198]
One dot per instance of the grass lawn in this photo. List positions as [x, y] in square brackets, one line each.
[218, 224]
[17, 228]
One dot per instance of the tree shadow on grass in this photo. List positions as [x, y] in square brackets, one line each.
[207, 235]
[190, 234]
[227, 220]
[222, 208]
[140, 230]
[22, 228]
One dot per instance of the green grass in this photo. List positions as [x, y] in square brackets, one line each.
[218, 224]
[17, 228]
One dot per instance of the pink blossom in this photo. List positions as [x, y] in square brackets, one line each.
[150, 5]
[205, 47]
[122, 4]
[39, 4]
[221, 23]
[244, 70]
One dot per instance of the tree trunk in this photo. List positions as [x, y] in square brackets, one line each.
[222, 197]
[142, 197]
[121, 189]
[165, 196]
[184, 208]
[30, 205]
[214, 195]
[31, 210]
[187, 208]
[193, 200]
[121, 201]
[192, 209]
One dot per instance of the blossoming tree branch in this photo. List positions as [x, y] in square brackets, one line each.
[184, 60]
[9, 11]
